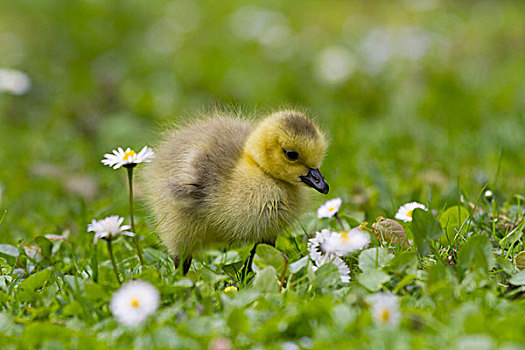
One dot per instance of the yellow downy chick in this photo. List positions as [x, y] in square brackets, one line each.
[229, 180]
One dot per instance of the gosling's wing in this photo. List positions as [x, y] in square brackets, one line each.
[193, 161]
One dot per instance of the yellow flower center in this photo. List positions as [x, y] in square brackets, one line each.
[385, 315]
[231, 289]
[129, 154]
[135, 303]
[331, 209]
[409, 213]
[344, 236]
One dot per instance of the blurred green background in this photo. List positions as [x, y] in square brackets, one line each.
[417, 96]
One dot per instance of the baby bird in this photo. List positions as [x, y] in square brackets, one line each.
[228, 180]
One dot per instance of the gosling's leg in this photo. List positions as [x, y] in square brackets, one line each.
[185, 264]
[248, 266]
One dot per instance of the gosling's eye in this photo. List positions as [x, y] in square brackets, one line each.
[291, 155]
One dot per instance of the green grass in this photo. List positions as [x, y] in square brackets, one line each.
[439, 121]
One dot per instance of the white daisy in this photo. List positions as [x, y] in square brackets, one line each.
[323, 250]
[353, 240]
[405, 211]
[14, 82]
[329, 209]
[128, 158]
[109, 228]
[324, 243]
[134, 302]
[338, 243]
[385, 309]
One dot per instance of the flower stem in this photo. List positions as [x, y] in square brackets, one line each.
[494, 218]
[339, 221]
[136, 237]
[110, 250]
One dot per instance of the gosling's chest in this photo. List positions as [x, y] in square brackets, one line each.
[258, 211]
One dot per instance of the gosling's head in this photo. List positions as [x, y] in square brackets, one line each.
[290, 147]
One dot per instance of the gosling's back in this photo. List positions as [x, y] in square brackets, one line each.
[192, 161]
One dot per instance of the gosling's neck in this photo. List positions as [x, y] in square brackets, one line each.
[257, 143]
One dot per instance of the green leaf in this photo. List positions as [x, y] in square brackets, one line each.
[184, 283]
[95, 292]
[440, 276]
[153, 255]
[76, 283]
[46, 247]
[28, 287]
[285, 244]
[452, 220]
[171, 289]
[404, 282]
[424, 227]
[7, 324]
[229, 257]
[327, 276]
[343, 314]
[476, 254]
[296, 266]
[505, 265]
[8, 251]
[373, 279]
[233, 269]
[106, 276]
[266, 255]
[164, 338]
[238, 322]
[265, 280]
[72, 309]
[36, 334]
[374, 258]
[402, 262]
[518, 279]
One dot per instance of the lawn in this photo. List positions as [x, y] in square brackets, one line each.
[422, 101]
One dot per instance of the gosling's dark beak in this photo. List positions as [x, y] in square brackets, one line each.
[316, 180]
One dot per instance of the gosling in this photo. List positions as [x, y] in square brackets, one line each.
[226, 180]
